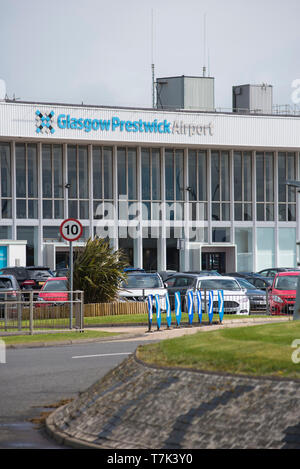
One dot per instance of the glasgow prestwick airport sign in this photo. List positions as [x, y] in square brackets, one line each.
[45, 124]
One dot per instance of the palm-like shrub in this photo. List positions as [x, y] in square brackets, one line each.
[98, 271]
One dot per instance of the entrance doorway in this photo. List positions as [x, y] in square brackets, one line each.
[214, 261]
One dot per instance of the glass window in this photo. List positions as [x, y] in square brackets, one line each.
[156, 171]
[21, 171]
[244, 245]
[221, 235]
[78, 178]
[265, 243]
[26, 180]
[265, 186]
[169, 174]
[132, 194]
[72, 172]
[220, 185]
[102, 173]
[83, 168]
[58, 171]
[108, 173]
[150, 183]
[52, 181]
[29, 234]
[5, 170]
[5, 180]
[47, 171]
[146, 175]
[287, 247]
[242, 185]
[32, 171]
[174, 174]
[127, 173]
[286, 194]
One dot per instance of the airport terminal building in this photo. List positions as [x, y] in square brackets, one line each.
[176, 188]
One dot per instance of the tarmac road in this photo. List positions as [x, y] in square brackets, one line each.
[34, 378]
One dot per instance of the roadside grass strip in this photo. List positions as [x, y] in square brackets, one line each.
[262, 350]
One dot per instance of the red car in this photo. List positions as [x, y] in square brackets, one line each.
[54, 291]
[282, 293]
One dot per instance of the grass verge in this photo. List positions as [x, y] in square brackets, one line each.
[264, 350]
[54, 337]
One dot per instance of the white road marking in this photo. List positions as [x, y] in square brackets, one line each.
[102, 355]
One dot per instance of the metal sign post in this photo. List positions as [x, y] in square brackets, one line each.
[71, 230]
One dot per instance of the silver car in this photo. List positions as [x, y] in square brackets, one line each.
[235, 299]
[138, 286]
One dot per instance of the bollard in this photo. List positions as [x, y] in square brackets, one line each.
[221, 304]
[199, 305]
[158, 312]
[168, 311]
[178, 308]
[210, 306]
[150, 312]
[190, 306]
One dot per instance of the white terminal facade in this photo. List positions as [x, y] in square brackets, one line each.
[180, 189]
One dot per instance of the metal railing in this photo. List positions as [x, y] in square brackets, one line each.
[26, 314]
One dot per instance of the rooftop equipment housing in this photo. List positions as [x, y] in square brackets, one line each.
[185, 92]
[252, 98]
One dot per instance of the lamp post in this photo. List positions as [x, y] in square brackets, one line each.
[296, 313]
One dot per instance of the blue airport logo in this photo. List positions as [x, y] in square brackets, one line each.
[44, 122]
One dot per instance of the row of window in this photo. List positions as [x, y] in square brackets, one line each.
[200, 170]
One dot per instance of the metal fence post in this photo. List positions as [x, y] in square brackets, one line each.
[81, 310]
[31, 312]
[5, 311]
[19, 310]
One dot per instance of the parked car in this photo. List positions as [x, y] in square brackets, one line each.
[138, 286]
[61, 272]
[204, 272]
[54, 291]
[166, 274]
[9, 291]
[282, 294]
[133, 269]
[28, 278]
[260, 282]
[273, 271]
[235, 299]
[181, 282]
[19, 273]
[257, 297]
[37, 277]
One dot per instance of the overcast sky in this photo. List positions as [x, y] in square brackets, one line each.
[100, 52]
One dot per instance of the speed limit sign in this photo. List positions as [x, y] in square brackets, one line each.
[71, 229]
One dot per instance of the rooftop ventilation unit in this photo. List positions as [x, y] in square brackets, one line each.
[194, 93]
[252, 99]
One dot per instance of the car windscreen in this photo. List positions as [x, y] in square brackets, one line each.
[37, 274]
[142, 281]
[5, 284]
[218, 284]
[56, 285]
[245, 284]
[288, 282]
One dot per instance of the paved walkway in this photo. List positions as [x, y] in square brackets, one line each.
[137, 406]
